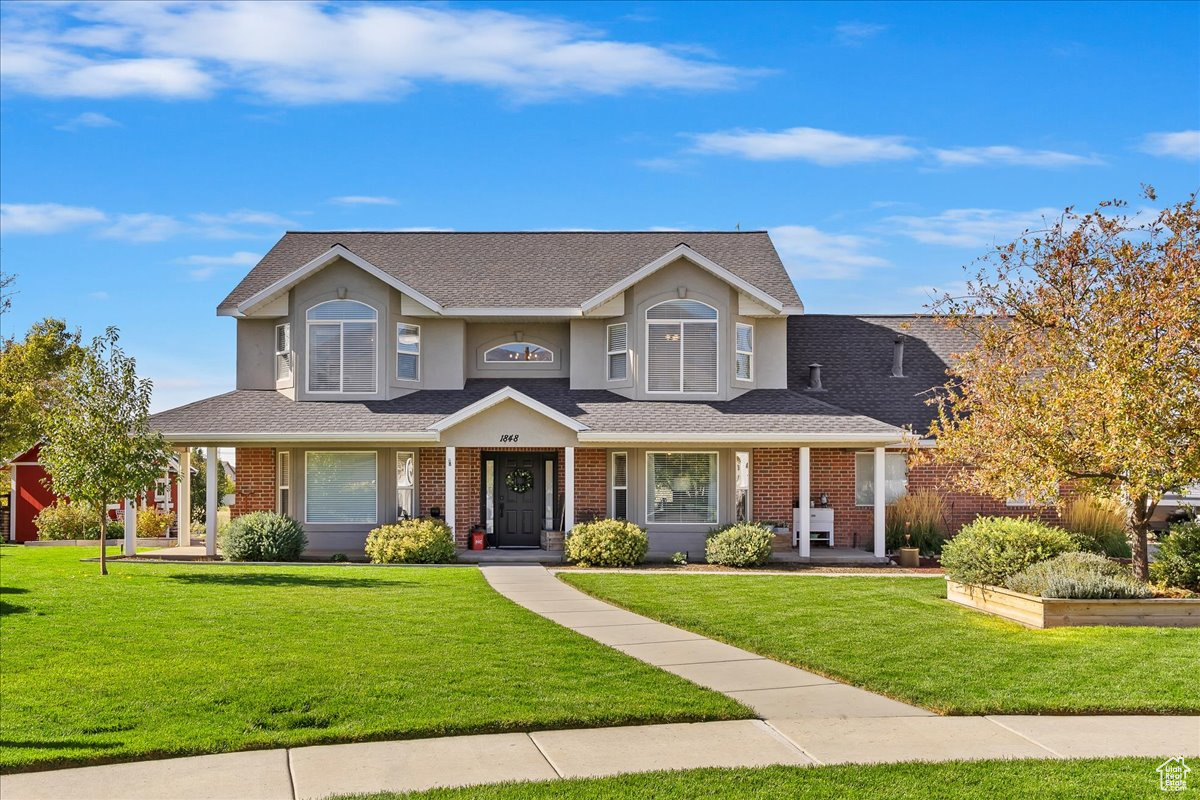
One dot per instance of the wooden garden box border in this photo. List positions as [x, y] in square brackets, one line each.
[1052, 612]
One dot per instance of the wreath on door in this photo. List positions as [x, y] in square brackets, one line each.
[519, 480]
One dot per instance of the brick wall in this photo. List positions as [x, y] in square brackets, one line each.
[963, 507]
[466, 493]
[255, 480]
[774, 483]
[431, 479]
[591, 483]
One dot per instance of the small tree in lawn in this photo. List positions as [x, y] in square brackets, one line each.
[1081, 364]
[99, 447]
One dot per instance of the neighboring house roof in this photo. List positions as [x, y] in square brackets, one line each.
[243, 414]
[520, 270]
[855, 354]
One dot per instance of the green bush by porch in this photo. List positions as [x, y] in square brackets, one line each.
[263, 536]
[411, 541]
[902, 638]
[211, 658]
[607, 543]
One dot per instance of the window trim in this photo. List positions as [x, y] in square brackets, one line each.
[416, 354]
[280, 457]
[519, 363]
[612, 483]
[738, 352]
[749, 484]
[681, 322]
[341, 351]
[286, 353]
[416, 504]
[871, 453]
[374, 456]
[610, 352]
[716, 482]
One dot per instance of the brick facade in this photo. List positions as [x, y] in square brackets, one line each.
[774, 483]
[255, 480]
[431, 479]
[591, 483]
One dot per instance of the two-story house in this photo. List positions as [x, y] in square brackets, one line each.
[525, 381]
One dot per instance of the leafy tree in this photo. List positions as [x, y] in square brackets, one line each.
[99, 447]
[30, 370]
[200, 484]
[1083, 363]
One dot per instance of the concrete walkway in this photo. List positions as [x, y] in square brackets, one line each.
[805, 719]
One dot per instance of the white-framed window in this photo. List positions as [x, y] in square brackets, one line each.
[341, 486]
[406, 484]
[744, 356]
[741, 485]
[895, 478]
[620, 485]
[162, 489]
[518, 353]
[283, 352]
[283, 481]
[342, 348]
[408, 352]
[681, 488]
[681, 348]
[618, 351]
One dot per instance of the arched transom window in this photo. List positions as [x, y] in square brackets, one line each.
[681, 348]
[342, 348]
[518, 353]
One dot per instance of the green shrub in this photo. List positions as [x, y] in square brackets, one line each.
[263, 536]
[1079, 576]
[922, 517]
[65, 520]
[746, 544]
[607, 543]
[411, 541]
[1178, 561]
[1097, 524]
[152, 523]
[988, 550]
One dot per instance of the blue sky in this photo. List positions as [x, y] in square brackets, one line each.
[149, 154]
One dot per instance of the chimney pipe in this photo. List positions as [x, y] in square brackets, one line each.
[898, 357]
[814, 378]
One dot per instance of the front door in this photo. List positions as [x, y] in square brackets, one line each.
[520, 499]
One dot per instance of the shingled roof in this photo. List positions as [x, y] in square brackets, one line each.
[855, 354]
[264, 412]
[522, 270]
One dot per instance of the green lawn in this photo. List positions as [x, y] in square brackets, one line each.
[902, 638]
[1116, 778]
[162, 660]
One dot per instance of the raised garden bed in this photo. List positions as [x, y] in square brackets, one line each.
[1050, 612]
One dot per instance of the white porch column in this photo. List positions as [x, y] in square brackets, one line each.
[448, 511]
[211, 500]
[879, 501]
[130, 526]
[569, 489]
[183, 514]
[805, 532]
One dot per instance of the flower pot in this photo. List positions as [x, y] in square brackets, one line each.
[910, 557]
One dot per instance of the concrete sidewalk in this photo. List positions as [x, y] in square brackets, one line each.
[806, 720]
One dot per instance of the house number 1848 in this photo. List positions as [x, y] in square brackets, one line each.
[509, 437]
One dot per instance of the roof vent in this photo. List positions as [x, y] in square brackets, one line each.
[898, 357]
[814, 378]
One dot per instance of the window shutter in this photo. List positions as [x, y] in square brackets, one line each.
[700, 357]
[283, 352]
[408, 352]
[340, 487]
[358, 356]
[618, 351]
[620, 485]
[663, 347]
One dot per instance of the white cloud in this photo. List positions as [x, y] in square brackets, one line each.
[855, 33]
[1177, 144]
[1008, 155]
[363, 200]
[824, 147]
[144, 227]
[207, 266]
[45, 217]
[88, 119]
[663, 164]
[811, 253]
[99, 295]
[971, 227]
[309, 52]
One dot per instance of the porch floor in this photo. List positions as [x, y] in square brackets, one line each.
[532, 555]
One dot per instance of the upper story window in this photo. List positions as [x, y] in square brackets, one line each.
[342, 348]
[518, 353]
[283, 352]
[618, 351]
[681, 347]
[408, 352]
[744, 365]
